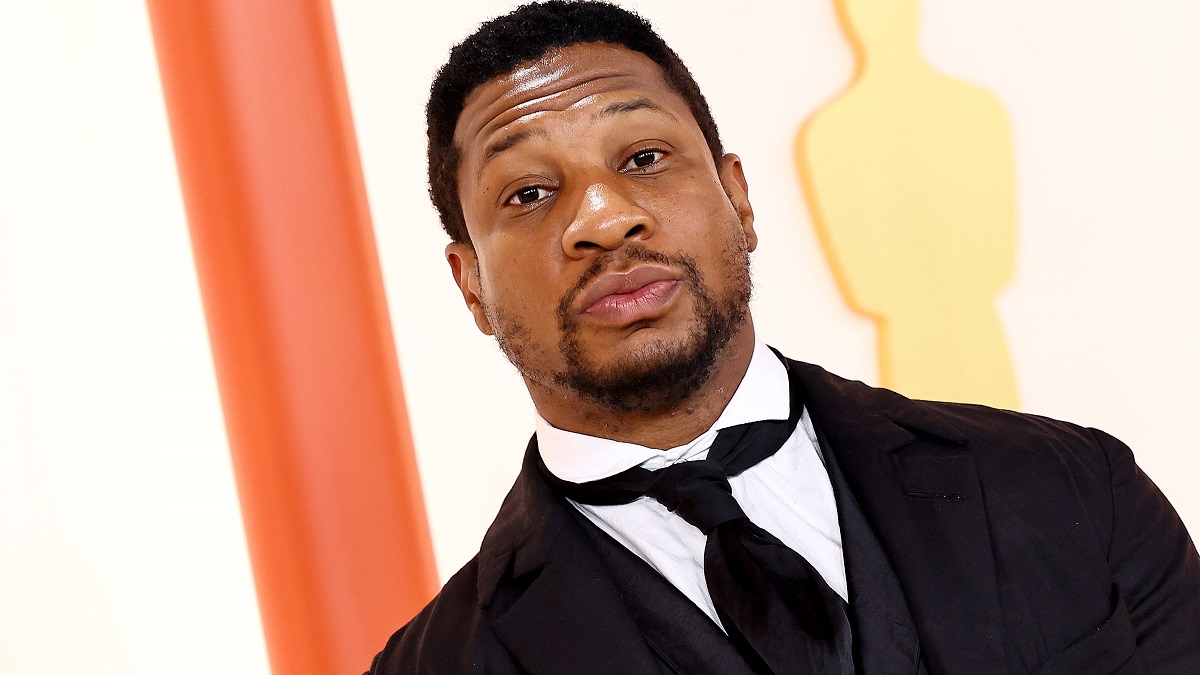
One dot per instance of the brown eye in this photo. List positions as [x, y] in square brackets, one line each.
[528, 195]
[644, 159]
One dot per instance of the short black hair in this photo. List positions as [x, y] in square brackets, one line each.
[526, 34]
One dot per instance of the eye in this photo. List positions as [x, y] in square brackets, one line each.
[644, 159]
[528, 195]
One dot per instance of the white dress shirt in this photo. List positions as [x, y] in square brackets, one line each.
[788, 494]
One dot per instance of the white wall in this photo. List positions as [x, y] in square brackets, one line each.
[120, 545]
[121, 548]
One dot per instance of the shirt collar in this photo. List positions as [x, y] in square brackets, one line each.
[762, 395]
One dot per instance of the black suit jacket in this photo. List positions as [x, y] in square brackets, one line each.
[1022, 545]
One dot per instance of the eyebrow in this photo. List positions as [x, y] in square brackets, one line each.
[630, 106]
[507, 143]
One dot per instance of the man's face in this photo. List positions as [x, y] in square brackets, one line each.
[610, 255]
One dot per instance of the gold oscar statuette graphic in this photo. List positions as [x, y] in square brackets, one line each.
[909, 177]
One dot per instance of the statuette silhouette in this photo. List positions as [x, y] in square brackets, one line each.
[909, 177]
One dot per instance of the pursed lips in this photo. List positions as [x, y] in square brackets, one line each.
[630, 295]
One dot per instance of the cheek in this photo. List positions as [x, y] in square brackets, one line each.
[520, 282]
[696, 215]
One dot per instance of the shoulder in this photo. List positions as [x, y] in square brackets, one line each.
[452, 634]
[999, 438]
[984, 432]
[1023, 456]
[1023, 462]
[1006, 435]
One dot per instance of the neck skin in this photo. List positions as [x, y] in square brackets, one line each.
[661, 429]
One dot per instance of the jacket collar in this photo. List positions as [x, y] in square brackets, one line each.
[551, 598]
[523, 534]
[878, 419]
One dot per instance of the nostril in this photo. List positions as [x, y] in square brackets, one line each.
[635, 230]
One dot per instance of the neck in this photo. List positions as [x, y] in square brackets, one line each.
[664, 428]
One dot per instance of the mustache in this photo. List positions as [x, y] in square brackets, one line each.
[619, 259]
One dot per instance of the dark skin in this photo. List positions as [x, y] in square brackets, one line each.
[568, 160]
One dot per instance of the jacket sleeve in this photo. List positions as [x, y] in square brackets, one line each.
[1155, 565]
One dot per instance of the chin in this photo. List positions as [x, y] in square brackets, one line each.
[649, 370]
[659, 366]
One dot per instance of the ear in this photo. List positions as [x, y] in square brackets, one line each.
[465, 268]
[729, 170]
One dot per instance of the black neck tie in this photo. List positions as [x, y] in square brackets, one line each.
[770, 600]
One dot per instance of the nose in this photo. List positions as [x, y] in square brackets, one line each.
[605, 220]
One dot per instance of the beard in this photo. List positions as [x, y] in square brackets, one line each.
[657, 376]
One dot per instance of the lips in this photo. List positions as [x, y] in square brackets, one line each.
[624, 297]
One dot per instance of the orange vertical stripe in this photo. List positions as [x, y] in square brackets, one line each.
[299, 328]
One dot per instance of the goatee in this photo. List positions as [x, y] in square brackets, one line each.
[659, 376]
[663, 374]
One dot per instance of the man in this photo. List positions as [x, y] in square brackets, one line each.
[694, 502]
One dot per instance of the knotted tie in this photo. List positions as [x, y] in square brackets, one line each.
[769, 598]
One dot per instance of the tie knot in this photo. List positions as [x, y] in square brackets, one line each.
[698, 491]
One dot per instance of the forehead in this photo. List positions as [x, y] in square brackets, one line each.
[563, 79]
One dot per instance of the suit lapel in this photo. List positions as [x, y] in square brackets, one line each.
[885, 639]
[552, 601]
[917, 486]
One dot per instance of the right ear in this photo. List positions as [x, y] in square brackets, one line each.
[465, 268]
